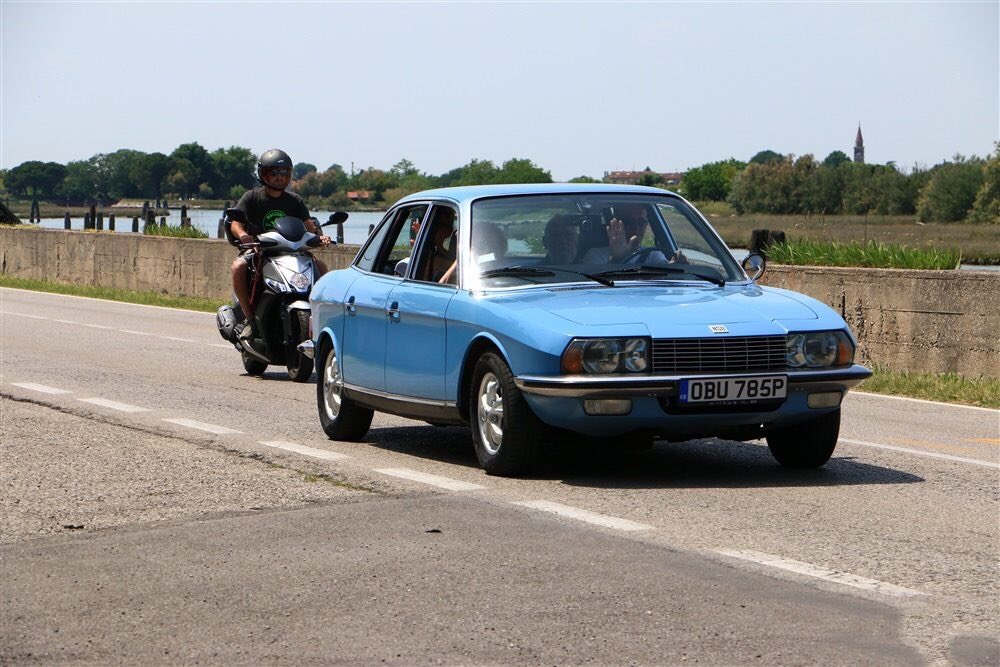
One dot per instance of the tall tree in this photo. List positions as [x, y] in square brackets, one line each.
[301, 169]
[767, 156]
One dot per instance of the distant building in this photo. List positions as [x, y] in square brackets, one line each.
[359, 195]
[859, 147]
[635, 177]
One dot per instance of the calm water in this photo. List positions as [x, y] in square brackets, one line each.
[355, 229]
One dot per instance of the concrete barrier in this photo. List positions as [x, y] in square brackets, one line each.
[928, 321]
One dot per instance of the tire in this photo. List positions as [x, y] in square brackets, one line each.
[341, 418]
[300, 367]
[505, 431]
[806, 445]
[253, 366]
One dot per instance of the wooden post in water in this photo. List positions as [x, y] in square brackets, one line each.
[185, 220]
[86, 221]
[340, 233]
[163, 222]
[100, 221]
[150, 220]
[371, 228]
[145, 210]
[135, 224]
[67, 224]
[34, 215]
[111, 222]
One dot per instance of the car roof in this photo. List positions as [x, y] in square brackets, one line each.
[467, 193]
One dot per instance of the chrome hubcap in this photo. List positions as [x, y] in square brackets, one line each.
[490, 413]
[332, 386]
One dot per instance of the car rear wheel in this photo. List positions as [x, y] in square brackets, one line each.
[806, 445]
[505, 431]
[341, 418]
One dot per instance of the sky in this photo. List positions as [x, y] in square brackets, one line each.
[579, 88]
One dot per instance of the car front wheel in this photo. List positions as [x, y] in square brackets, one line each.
[341, 418]
[806, 445]
[505, 431]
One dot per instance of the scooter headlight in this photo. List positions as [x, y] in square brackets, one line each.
[300, 282]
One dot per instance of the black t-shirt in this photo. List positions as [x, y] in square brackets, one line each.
[262, 210]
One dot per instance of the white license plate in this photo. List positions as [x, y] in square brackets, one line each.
[733, 390]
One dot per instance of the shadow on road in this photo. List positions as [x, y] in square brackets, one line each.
[707, 463]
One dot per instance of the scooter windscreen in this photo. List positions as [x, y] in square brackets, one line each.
[291, 228]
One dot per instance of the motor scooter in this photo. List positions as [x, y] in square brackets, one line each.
[282, 274]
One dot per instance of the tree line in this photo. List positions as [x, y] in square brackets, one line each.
[957, 189]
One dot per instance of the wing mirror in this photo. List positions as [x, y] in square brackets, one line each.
[336, 218]
[754, 264]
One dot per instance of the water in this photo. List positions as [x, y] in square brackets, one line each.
[355, 229]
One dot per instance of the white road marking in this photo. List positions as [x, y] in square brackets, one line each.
[824, 573]
[183, 340]
[585, 515]
[433, 480]
[305, 451]
[66, 321]
[137, 333]
[34, 317]
[45, 389]
[920, 452]
[97, 326]
[121, 303]
[921, 400]
[202, 426]
[114, 405]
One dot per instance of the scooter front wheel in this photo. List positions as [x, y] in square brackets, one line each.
[253, 366]
[300, 367]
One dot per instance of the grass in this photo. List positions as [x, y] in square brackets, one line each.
[978, 243]
[872, 254]
[107, 293]
[175, 231]
[944, 387]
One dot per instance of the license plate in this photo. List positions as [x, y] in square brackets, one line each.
[733, 390]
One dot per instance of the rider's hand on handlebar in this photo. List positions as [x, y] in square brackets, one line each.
[325, 240]
[246, 239]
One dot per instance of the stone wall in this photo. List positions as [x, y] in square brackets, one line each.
[931, 321]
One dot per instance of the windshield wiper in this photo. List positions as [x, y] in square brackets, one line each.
[535, 271]
[654, 270]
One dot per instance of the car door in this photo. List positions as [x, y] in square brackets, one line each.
[417, 329]
[366, 302]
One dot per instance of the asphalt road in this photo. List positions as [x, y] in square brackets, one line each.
[159, 506]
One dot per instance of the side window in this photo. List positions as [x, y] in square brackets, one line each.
[439, 248]
[393, 247]
[366, 260]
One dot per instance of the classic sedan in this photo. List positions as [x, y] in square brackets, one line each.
[600, 310]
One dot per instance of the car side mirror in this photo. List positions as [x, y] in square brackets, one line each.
[754, 264]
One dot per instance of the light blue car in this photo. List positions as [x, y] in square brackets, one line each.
[602, 310]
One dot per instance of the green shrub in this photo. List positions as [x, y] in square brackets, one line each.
[175, 231]
[873, 254]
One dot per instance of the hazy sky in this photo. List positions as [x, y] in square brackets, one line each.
[579, 88]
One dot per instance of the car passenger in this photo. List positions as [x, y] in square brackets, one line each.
[442, 254]
[560, 239]
[625, 234]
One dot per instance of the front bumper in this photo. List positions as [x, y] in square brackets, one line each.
[560, 402]
[667, 386]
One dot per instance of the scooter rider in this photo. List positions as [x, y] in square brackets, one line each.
[263, 205]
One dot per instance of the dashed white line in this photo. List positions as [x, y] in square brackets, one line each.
[97, 326]
[585, 515]
[826, 574]
[922, 400]
[45, 389]
[114, 405]
[202, 426]
[305, 451]
[433, 480]
[920, 452]
[33, 317]
[66, 321]
[137, 333]
[183, 340]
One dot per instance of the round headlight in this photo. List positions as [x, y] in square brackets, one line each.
[601, 356]
[821, 348]
[635, 355]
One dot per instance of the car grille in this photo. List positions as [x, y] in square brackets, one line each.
[730, 354]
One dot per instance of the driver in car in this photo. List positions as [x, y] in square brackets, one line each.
[625, 233]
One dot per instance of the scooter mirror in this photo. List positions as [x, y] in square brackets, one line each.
[336, 218]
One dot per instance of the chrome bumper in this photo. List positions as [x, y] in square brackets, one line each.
[666, 386]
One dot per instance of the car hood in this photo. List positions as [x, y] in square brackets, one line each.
[663, 309]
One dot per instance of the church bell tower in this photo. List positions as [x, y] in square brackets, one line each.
[859, 147]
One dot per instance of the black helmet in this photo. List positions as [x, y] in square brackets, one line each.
[274, 158]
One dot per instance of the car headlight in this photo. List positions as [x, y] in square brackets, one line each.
[606, 355]
[819, 349]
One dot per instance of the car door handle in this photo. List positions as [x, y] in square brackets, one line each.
[349, 306]
[392, 312]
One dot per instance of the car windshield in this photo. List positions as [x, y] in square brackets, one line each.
[618, 238]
